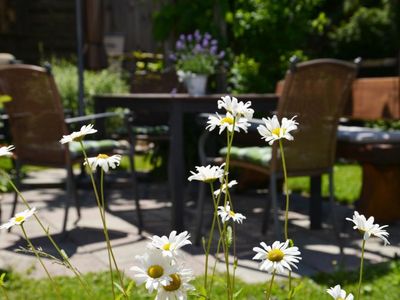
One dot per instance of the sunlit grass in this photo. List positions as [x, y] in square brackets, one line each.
[382, 282]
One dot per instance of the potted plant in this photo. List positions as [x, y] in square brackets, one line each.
[196, 58]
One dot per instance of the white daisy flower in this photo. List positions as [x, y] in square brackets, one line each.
[226, 214]
[235, 107]
[170, 245]
[78, 135]
[178, 287]
[6, 150]
[277, 257]
[273, 131]
[368, 228]
[229, 122]
[104, 161]
[338, 294]
[19, 218]
[154, 269]
[223, 188]
[208, 173]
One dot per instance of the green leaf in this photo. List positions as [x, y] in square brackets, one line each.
[2, 279]
[120, 289]
[235, 295]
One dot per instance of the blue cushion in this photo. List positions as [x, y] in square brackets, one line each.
[365, 135]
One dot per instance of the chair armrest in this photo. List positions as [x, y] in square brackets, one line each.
[94, 117]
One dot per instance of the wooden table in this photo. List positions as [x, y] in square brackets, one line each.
[176, 105]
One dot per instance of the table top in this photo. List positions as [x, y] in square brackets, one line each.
[186, 97]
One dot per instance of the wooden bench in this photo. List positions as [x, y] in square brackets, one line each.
[377, 151]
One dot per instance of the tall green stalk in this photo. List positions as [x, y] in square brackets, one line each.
[32, 247]
[361, 270]
[268, 294]
[286, 208]
[104, 216]
[65, 258]
[286, 189]
[103, 221]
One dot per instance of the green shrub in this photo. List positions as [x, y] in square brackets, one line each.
[95, 82]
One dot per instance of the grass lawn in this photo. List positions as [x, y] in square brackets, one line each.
[347, 183]
[382, 282]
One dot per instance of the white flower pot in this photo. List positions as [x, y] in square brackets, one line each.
[196, 84]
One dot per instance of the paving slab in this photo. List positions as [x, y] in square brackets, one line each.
[86, 247]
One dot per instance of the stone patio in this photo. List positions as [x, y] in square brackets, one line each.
[85, 244]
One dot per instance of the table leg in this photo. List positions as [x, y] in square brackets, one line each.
[176, 167]
[315, 203]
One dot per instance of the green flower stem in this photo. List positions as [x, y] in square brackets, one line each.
[215, 263]
[235, 260]
[102, 216]
[233, 241]
[3, 289]
[40, 261]
[286, 190]
[268, 294]
[210, 236]
[361, 270]
[287, 205]
[66, 260]
[229, 137]
[226, 256]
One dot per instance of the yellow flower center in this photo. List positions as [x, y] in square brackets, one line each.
[228, 120]
[155, 271]
[278, 130]
[175, 284]
[275, 255]
[103, 156]
[231, 213]
[167, 247]
[19, 219]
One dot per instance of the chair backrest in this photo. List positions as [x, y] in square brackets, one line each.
[35, 114]
[315, 92]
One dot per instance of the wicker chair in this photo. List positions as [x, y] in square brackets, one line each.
[37, 123]
[315, 92]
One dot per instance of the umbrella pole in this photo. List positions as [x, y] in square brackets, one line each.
[79, 36]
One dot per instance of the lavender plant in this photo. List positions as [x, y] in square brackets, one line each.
[196, 54]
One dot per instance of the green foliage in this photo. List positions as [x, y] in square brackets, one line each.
[243, 75]
[95, 82]
[198, 64]
[347, 183]
[381, 282]
[367, 30]
[267, 32]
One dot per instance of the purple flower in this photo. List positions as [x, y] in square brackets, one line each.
[205, 43]
[197, 36]
[182, 37]
[197, 48]
[179, 45]
[213, 50]
[190, 37]
[172, 57]
[214, 42]
[221, 54]
[207, 36]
